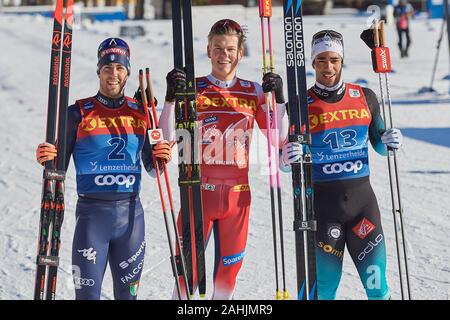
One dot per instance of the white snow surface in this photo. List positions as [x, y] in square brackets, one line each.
[424, 160]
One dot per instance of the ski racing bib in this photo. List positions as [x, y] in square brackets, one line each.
[107, 152]
[340, 136]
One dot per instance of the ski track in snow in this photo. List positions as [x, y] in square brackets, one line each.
[424, 167]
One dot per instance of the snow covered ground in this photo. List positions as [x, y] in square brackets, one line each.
[424, 159]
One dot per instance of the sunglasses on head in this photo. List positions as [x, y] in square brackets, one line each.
[327, 35]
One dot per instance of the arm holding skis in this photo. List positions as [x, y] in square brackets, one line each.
[47, 152]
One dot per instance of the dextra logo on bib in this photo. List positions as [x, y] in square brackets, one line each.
[204, 102]
[337, 118]
[92, 123]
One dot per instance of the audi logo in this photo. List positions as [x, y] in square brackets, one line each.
[83, 282]
[109, 180]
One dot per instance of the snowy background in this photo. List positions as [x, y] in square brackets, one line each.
[424, 159]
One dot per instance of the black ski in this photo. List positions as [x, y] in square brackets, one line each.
[52, 203]
[188, 165]
[305, 224]
[58, 213]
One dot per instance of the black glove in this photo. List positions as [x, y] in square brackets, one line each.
[137, 96]
[273, 82]
[176, 80]
[368, 38]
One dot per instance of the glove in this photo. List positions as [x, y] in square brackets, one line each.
[175, 79]
[45, 152]
[292, 152]
[138, 97]
[273, 82]
[392, 138]
[162, 151]
[368, 38]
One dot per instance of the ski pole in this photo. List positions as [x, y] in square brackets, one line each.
[381, 63]
[277, 157]
[156, 135]
[167, 181]
[399, 210]
[265, 11]
[438, 47]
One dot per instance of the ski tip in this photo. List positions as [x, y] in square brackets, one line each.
[202, 295]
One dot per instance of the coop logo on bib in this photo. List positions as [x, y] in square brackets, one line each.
[340, 167]
[109, 180]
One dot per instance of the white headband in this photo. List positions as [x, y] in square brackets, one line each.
[327, 44]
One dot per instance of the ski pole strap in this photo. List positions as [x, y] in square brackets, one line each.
[43, 260]
[52, 174]
[307, 225]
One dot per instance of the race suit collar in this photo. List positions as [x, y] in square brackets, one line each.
[221, 83]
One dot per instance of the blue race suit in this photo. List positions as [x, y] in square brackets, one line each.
[107, 138]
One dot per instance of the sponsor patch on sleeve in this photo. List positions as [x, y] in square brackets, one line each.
[88, 105]
[132, 105]
[354, 93]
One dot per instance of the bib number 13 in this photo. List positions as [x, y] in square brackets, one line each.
[341, 140]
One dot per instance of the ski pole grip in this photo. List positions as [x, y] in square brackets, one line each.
[382, 42]
[144, 98]
[381, 57]
[376, 36]
[381, 60]
[265, 8]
